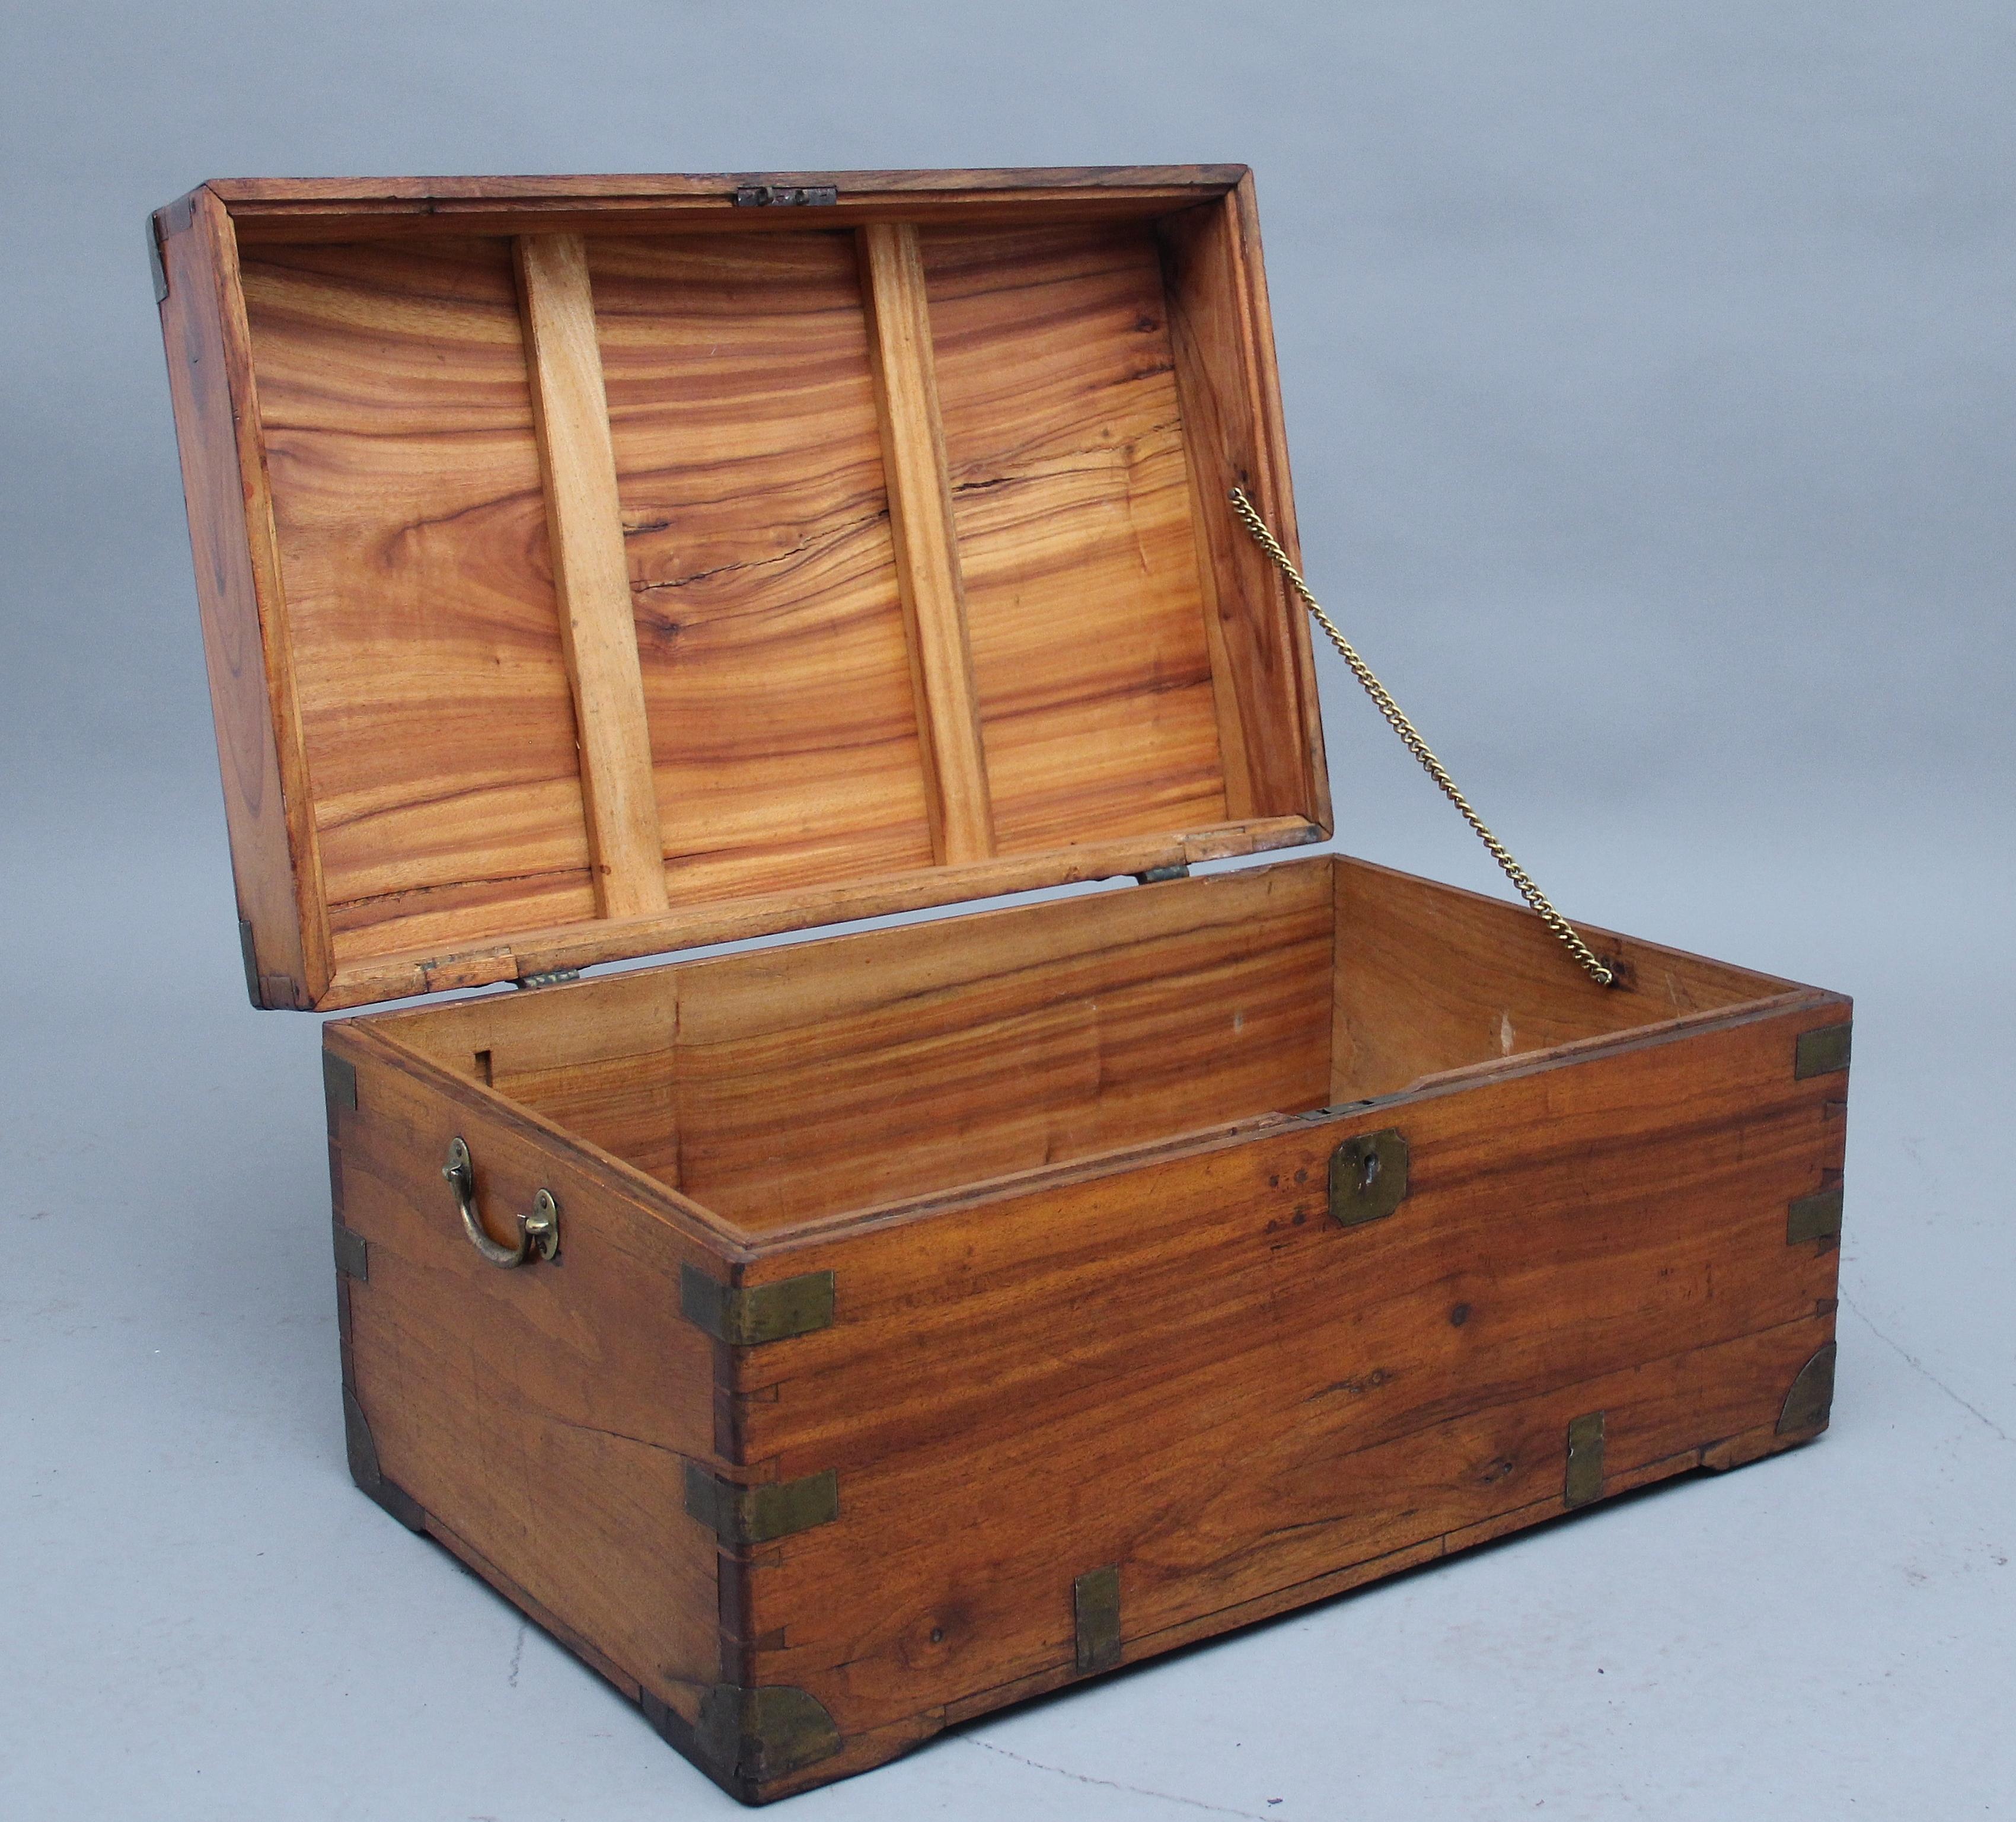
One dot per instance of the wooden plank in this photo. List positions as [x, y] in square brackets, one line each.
[1264, 679]
[903, 1062]
[789, 1083]
[435, 712]
[275, 858]
[274, 210]
[1156, 180]
[784, 730]
[591, 573]
[926, 545]
[1273, 431]
[1071, 502]
[1431, 978]
[539, 951]
[1459, 1468]
[540, 1417]
[595, 1057]
[1294, 1398]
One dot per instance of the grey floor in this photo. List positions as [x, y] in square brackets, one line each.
[1651, 389]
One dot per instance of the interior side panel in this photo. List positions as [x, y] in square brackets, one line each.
[807, 1079]
[1431, 978]
[1081, 1037]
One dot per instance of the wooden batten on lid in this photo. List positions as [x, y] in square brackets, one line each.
[593, 567]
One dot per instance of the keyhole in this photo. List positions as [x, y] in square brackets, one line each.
[1368, 1171]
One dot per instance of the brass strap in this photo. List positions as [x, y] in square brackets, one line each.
[1586, 957]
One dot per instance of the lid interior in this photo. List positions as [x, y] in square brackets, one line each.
[708, 576]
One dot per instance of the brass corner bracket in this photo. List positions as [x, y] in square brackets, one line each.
[1822, 1051]
[1096, 1608]
[748, 1316]
[740, 1516]
[754, 1735]
[1581, 1483]
[364, 1470]
[1810, 1404]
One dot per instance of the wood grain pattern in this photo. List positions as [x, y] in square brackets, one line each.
[1314, 766]
[1265, 696]
[1065, 442]
[435, 708]
[540, 1417]
[1050, 1354]
[1431, 979]
[430, 750]
[927, 555]
[540, 951]
[937, 1056]
[591, 573]
[294, 209]
[246, 641]
[776, 672]
[595, 1057]
[1235, 1397]
[787, 1084]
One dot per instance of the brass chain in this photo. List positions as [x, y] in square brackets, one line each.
[1586, 957]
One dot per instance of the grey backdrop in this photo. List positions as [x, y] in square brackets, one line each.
[1652, 403]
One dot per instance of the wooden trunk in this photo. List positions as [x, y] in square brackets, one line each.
[933, 1315]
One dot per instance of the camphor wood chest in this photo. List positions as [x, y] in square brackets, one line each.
[909, 1322]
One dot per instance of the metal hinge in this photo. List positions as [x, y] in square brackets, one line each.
[154, 260]
[771, 196]
[548, 978]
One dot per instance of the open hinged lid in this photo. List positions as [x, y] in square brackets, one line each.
[596, 566]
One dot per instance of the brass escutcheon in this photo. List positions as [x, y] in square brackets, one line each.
[539, 1232]
[1368, 1177]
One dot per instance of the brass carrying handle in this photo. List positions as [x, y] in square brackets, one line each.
[539, 1232]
